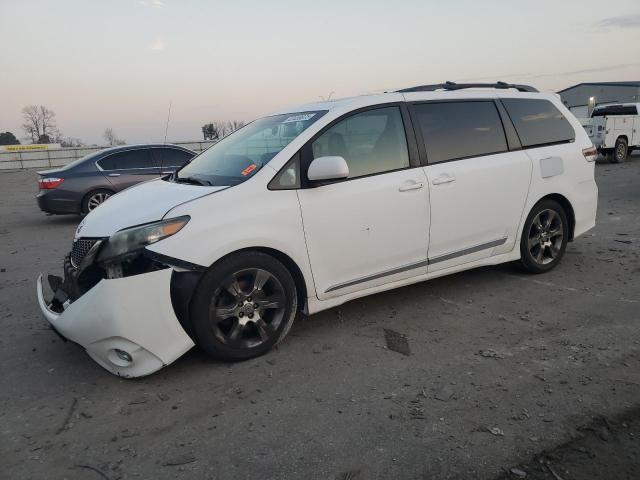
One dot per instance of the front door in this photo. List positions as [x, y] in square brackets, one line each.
[372, 228]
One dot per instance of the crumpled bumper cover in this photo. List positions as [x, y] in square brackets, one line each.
[133, 315]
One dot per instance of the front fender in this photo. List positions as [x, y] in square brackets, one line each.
[240, 218]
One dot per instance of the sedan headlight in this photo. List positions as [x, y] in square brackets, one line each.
[132, 239]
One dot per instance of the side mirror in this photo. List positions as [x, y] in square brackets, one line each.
[328, 168]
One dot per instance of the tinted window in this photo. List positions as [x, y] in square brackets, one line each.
[134, 159]
[538, 122]
[109, 163]
[460, 129]
[371, 142]
[172, 157]
[615, 110]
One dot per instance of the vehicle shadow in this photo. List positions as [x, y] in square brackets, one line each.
[54, 220]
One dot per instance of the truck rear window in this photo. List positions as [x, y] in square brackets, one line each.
[538, 122]
[611, 110]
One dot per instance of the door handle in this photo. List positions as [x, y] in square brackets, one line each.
[165, 173]
[114, 174]
[443, 179]
[413, 186]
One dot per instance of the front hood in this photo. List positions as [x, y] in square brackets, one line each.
[142, 203]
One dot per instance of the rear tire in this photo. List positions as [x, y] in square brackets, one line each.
[94, 199]
[621, 152]
[544, 237]
[243, 306]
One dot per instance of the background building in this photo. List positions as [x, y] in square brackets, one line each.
[583, 97]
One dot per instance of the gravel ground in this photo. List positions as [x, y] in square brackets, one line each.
[492, 367]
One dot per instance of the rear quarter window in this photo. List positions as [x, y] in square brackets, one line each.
[109, 163]
[538, 122]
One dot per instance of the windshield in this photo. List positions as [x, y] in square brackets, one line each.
[240, 155]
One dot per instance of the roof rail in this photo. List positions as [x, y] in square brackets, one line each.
[462, 86]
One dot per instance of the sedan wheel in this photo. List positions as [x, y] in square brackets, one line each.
[97, 200]
[94, 199]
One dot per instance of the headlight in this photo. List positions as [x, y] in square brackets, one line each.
[133, 239]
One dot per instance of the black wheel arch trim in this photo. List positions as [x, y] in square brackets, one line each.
[183, 283]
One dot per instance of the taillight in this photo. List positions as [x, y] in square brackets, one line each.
[590, 154]
[49, 183]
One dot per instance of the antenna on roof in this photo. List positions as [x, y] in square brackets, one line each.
[328, 97]
[166, 128]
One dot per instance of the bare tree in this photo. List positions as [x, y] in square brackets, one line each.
[237, 124]
[219, 129]
[39, 123]
[210, 131]
[71, 142]
[111, 137]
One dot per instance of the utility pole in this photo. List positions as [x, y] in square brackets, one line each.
[166, 128]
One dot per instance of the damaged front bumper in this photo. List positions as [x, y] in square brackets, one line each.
[127, 325]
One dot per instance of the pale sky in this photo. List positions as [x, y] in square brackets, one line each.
[118, 63]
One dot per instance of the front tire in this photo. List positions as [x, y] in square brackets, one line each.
[544, 238]
[243, 306]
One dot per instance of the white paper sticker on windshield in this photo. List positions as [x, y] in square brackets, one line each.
[300, 118]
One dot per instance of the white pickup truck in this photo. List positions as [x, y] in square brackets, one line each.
[614, 129]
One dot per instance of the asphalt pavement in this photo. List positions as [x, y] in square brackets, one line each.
[464, 376]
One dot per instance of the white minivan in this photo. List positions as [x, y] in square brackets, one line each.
[313, 206]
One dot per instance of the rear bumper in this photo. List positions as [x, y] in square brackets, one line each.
[585, 206]
[132, 315]
[52, 201]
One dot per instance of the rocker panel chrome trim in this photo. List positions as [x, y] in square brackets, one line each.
[412, 266]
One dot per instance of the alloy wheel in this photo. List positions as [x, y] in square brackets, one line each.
[96, 200]
[248, 308]
[545, 237]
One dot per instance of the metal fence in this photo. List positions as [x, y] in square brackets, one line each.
[62, 156]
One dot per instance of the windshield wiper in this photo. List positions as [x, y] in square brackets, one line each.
[193, 181]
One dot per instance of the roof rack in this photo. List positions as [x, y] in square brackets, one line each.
[462, 86]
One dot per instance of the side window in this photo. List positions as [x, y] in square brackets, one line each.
[134, 159]
[172, 157]
[109, 163]
[611, 110]
[456, 130]
[289, 177]
[538, 122]
[371, 142]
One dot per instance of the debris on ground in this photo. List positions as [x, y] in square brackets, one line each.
[490, 353]
[179, 460]
[67, 425]
[445, 393]
[516, 472]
